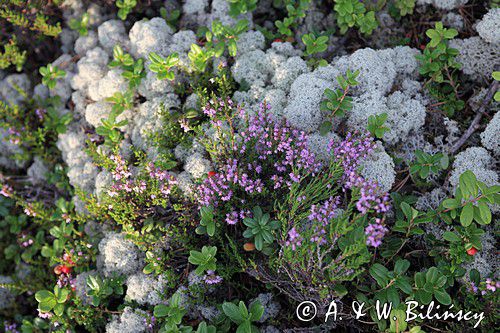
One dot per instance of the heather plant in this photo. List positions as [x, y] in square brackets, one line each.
[265, 162]
[12, 55]
[33, 126]
[129, 198]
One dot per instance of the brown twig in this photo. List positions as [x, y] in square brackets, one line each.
[475, 122]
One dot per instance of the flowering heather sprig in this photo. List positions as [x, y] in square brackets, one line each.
[120, 171]
[375, 232]
[25, 241]
[66, 280]
[40, 113]
[10, 328]
[30, 211]
[351, 151]
[212, 278]
[492, 285]
[6, 191]
[150, 322]
[265, 154]
[294, 239]
[124, 184]
[14, 136]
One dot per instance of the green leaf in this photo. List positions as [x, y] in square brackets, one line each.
[232, 312]
[160, 310]
[47, 305]
[401, 266]
[451, 236]
[467, 215]
[484, 212]
[44, 295]
[442, 297]
[380, 274]
[59, 309]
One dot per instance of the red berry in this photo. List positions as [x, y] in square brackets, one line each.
[211, 173]
[65, 269]
[278, 40]
[472, 251]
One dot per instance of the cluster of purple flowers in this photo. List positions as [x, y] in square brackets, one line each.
[375, 232]
[66, 280]
[25, 240]
[489, 286]
[6, 191]
[150, 322]
[265, 154]
[40, 113]
[351, 151]
[14, 136]
[321, 216]
[30, 211]
[124, 182]
[10, 328]
[294, 239]
[212, 278]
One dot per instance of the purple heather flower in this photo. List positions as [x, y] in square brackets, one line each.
[212, 278]
[6, 191]
[294, 239]
[232, 218]
[375, 232]
[491, 285]
[14, 136]
[10, 328]
[40, 113]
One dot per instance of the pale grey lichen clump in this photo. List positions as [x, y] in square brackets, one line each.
[490, 137]
[479, 54]
[477, 160]
[145, 289]
[443, 4]
[82, 171]
[379, 167]
[271, 308]
[130, 321]
[119, 255]
[489, 27]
